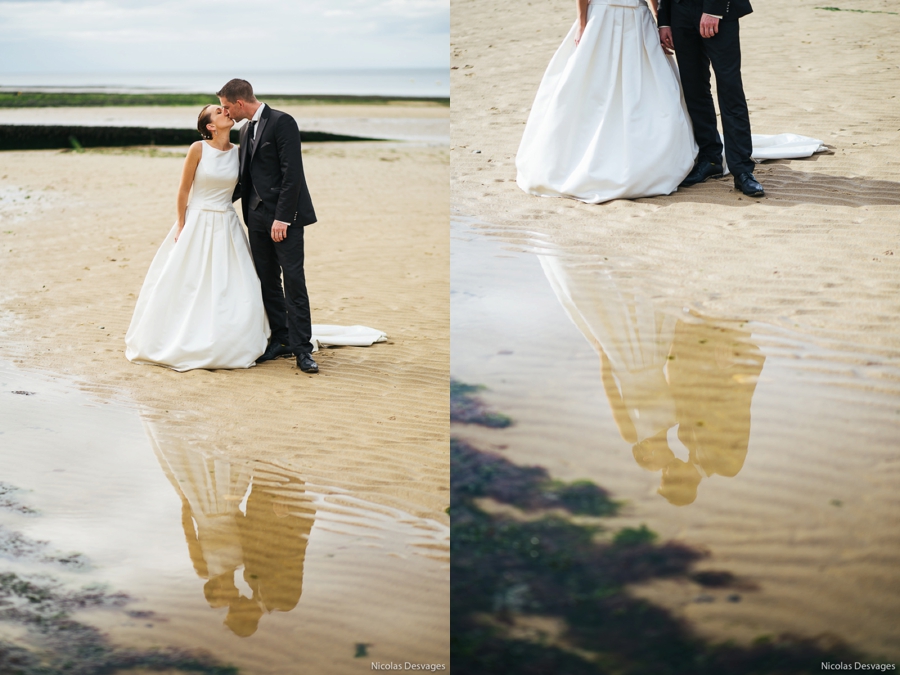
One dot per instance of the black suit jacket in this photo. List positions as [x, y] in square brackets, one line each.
[272, 170]
[729, 10]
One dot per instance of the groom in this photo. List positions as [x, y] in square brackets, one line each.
[276, 206]
[704, 32]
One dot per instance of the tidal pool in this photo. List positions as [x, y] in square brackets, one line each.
[771, 454]
[154, 553]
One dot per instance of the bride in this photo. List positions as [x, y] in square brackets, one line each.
[201, 304]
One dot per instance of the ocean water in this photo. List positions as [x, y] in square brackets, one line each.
[407, 82]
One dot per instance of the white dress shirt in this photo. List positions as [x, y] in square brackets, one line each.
[256, 117]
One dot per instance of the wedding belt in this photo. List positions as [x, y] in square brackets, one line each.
[633, 4]
[211, 207]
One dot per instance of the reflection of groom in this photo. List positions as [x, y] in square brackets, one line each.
[704, 32]
[276, 206]
[269, 539]
[710, 374]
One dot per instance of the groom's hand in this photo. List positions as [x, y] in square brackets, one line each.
[665, 39]
[709, 25]
[279, 231]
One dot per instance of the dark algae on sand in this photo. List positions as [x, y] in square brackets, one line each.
[550, 552]
[50, 640]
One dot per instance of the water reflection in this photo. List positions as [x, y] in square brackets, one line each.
[662, 373]
[254, 516]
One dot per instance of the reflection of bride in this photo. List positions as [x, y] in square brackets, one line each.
[660, 372]
[268, 536]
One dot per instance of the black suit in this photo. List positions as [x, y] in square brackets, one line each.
[272, 187]
[695, 54]
[729, 10]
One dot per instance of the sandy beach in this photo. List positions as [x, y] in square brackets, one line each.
[79, 231]
[348, 548]
[806, 278]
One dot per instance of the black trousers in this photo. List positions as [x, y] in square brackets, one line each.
[287, 308]
[723, 51]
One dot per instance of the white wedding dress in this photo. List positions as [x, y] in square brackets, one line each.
[201, 304]
[609, 121]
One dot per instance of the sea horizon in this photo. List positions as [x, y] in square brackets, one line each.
[400, 82]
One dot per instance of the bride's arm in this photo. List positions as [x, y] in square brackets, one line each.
[654, 7]
[187, 180]
[582, 7]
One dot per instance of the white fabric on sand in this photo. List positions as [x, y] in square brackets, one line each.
[325, 335]
[785, 146]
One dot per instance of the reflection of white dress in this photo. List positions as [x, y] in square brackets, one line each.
[608, 121]
[214, 489]
[201, 304]
[624, 325]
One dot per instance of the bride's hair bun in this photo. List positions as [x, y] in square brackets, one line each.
[203, 120]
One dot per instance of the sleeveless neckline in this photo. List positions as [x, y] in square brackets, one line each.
[233, 146]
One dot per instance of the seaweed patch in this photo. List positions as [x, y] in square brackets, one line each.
[569, 578]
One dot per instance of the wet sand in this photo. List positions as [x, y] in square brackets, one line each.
[79, 231]
[803, 284]
[244, 559]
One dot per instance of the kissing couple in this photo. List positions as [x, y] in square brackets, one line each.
[213, 296]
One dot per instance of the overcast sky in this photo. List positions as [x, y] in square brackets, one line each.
[69, 36]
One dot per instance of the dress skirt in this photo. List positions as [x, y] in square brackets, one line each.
[609, 120]
[201, 304]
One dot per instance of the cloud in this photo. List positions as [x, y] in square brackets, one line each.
[73, 35]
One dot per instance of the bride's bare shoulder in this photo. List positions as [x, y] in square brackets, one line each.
[195, 152]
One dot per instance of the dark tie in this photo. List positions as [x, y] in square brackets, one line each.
[252, 133]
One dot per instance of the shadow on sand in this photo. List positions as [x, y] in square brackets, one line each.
[786, 186]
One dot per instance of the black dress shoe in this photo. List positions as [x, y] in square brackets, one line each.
[747, 184]
[306, 364]
[702, 170]
[273, 351]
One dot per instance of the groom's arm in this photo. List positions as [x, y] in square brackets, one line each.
[664, 21]
[716, 8]
[664, 14]
[287, 139]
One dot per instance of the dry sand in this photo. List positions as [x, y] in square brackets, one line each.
[818, 259]
[79, 231]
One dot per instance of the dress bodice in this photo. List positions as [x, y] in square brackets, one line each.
[215, 178]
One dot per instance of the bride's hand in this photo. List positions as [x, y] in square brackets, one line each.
[579, 34]
[665, 39]
[178, 234]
